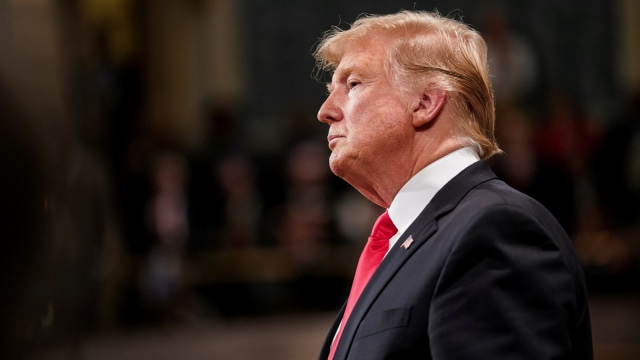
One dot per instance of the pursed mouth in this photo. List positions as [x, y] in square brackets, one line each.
[331, 139]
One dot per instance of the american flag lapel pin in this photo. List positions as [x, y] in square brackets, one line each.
[405, 245]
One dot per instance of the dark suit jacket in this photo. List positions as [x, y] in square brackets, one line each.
[490, 275]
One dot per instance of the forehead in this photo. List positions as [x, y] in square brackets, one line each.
[365, 58]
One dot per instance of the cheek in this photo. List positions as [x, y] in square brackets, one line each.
[389, 122]
[377, 122]
[382, 139]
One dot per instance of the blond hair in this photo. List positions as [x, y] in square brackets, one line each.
[428, 51]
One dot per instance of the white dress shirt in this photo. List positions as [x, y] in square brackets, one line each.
[414, 196]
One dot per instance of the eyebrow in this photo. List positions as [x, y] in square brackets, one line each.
[346, 71]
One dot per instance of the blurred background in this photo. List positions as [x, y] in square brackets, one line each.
[165, 188]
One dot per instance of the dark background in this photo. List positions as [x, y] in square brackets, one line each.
[162, 166]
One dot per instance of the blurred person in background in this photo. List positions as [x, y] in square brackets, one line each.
[162, 282]
[471, 268]
[566, 141]
[513, 65]
[611, 254]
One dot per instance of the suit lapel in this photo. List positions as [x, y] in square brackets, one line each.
[420, 231]
[326, 347]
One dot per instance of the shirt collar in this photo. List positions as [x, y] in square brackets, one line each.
[414, 196]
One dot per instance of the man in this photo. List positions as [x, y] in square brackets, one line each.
[475, 270]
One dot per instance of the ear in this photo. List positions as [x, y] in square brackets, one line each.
[428, 107]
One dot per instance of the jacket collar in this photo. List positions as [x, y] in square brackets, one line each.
[420, 231]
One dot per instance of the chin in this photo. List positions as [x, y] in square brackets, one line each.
[336, 166]
[342, 167]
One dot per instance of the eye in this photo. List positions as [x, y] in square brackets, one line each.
[352, 84]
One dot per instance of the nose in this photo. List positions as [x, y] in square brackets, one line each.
[329, 112]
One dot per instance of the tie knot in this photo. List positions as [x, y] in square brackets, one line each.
[383, 228]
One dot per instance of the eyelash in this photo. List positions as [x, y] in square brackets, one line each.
[351, 84]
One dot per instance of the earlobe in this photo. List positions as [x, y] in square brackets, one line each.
[429, 107]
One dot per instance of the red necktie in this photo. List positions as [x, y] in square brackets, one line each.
[371, 256]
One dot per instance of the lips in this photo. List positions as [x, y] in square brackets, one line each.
[331, 140]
